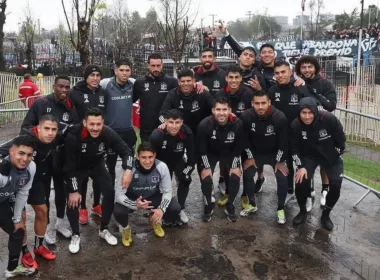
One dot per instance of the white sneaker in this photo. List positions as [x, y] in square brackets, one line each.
[74, 244]
[213, 199]
[63, 230]
[312, 193]
[309, 204]
[107, 236]
[18, 271]
[323, 198]
[50, 238]
[222, 187]
[183, 217]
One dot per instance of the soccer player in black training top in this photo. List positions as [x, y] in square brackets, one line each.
[265, 142]
[219, 138]
[171, 145]
[85, 147]
[317, 139]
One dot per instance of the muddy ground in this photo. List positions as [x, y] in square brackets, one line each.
[252, 248]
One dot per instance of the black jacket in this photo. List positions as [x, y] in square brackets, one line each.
[83, 98]
[240, 101]
[220, 141]
[269, 77]
[323, 91]
[171, 149]
[195, 107]
[265, 136]
[323, 140]
[65, 112]
[83, 152]
[214, 80]
[152, 92]
[286, 98]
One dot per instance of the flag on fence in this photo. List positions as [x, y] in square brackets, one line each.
[303, 5]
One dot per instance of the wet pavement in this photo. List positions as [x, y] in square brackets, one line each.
[252, 248]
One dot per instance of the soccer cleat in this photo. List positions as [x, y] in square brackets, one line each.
[323, 198]
[158, 231]
[74, 244]
[126, 236]
[281, 217]
[20, 270]
[183, 217]
[50, 239]
[222, 187]
[300, 218]
[83, 216]
[231, 216]
[244, 201]
[206, 217]
[259, 184]
[248, 210]
[107, 236]
[45, 253]
[63, 230]
[326, 222]
[97, 210]
[223, 200]
[309, 204]
[28, 261]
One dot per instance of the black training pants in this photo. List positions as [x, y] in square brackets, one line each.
[183, 181]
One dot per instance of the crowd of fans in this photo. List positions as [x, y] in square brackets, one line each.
[352, 33]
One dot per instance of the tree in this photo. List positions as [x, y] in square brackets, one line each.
[3, 16]
[28, 30]
[345, 21]
[82, 31]
[175, 26]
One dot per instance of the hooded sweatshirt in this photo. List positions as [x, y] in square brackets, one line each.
[214, 79]
[323, 91]
[323, 140]
[239, 101]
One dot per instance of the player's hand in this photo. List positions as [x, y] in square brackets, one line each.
[254, 83]
[300, 174]
[127, 178]
[249, 162]
[299, 82]
[74, 200]
[281, 166]
[199, 87]
[143, 204]
[19, 225]
[157, 216]
[162, 126]
[236, 171]
[206, 172]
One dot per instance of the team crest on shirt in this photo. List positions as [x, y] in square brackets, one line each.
[253, 127]
[101, 147]
[146, 85]
[86, 98]
[101, 99]
[180, 104]
[213, 134]
[155, 179]
[164, 86]
[323, 133]
[179, 147]
[294, 98]
[65, 117]
[195, 105]
[23, 181]
[230, 136]
[270, 129]
[277, 96]
[216, 84]
[304, 135]
[241, 106]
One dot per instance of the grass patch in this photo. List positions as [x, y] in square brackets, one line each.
[364, 171]
[138, 141]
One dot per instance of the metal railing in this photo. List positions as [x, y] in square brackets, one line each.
[362, 156]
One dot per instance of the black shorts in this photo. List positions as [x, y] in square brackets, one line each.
[39, 193]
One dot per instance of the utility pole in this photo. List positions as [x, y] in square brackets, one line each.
[213, 20]
[360, 45]
[249, 13]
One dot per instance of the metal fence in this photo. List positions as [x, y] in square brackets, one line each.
[362, 156]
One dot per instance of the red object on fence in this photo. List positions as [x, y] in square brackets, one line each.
[136, 114]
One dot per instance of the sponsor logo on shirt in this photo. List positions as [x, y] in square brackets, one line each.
[216, 84]
[65, 117]
[304, 135]
[146, 85]
[84, 146]
[213, 134]
[277, 96]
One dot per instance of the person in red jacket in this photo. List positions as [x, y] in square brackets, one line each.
[28, 89]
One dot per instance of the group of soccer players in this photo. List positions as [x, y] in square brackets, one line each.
[251, 115]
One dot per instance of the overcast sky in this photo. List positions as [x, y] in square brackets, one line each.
[50, 11]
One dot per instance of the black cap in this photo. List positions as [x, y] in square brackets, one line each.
[91, 68]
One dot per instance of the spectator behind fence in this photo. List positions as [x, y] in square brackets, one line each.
[28, 89]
